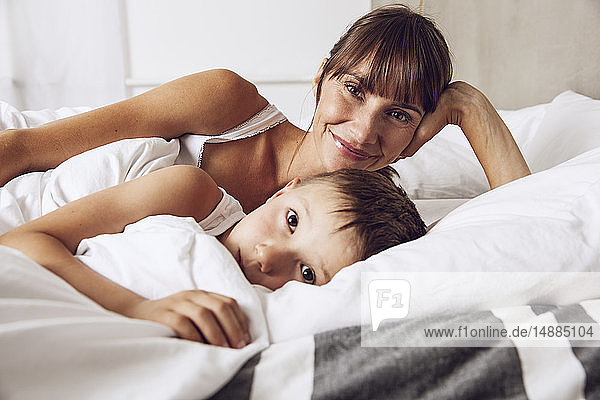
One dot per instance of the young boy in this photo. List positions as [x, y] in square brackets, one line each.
[307, 231]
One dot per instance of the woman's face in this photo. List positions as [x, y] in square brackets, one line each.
[354, 128]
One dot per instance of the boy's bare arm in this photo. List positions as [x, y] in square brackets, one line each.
[178, 190]
[52, 239]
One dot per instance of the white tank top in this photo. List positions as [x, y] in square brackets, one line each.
[228, 211]
[192, 146]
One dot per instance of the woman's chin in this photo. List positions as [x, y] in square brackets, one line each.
[338, 162]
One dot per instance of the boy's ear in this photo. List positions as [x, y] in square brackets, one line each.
[291, 184]
[400, 157]
[317, 77]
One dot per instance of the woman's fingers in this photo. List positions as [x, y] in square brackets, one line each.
[234, 307]
[428, 128]
[454, 101]
[430, 125]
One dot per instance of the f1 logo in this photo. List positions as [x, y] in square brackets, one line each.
[388, 299]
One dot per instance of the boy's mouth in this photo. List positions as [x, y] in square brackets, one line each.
[241, 263]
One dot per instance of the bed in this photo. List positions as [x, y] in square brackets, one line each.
[526, 254]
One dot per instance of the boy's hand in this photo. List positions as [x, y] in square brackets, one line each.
[199, 316]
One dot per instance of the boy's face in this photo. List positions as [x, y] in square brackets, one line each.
[293, 237]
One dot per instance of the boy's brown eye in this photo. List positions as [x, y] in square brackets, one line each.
[292, 220]
[307, 274]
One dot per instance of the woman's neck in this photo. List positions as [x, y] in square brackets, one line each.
[295, 154]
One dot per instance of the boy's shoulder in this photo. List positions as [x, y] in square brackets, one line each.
[191, 189]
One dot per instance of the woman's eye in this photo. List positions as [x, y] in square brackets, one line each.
[353, 89]
[307, 274]
[292, 220]
[401, 116]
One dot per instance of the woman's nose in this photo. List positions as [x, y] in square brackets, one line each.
[365, 129]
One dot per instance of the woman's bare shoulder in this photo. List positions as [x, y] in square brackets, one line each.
[210, 102]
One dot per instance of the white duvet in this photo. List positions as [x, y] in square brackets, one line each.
[545, 228]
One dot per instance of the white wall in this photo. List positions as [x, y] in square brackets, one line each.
[521, 52]
[277, 44]
[60, 53]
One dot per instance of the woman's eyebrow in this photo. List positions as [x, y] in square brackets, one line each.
[410, 107]
[361, 80]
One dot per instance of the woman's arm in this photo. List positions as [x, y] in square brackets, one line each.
[461, 104]
[52, 239]
[205, 103]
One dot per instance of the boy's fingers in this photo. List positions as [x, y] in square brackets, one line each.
[203, 317]
[231, 319]
[183, 327]
[239, 314]
[205, 322]
[165, 312]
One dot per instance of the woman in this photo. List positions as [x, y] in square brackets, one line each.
[383, 92]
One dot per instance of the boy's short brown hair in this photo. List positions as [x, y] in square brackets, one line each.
[374, 206]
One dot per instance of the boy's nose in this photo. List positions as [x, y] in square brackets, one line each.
[272, 258]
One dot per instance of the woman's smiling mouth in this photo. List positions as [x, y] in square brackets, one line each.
[348, 150]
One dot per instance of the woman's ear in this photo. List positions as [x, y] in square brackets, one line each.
[318, 77]
[291, 184]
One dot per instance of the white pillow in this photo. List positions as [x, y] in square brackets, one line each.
[446, 166]
[571, 126]
[549, 221]
[11, 118]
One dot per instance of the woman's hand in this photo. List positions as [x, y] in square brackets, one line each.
[458, 99]
[463, 105]
[197, 315]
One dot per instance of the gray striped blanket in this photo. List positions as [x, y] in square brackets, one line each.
[338, 365]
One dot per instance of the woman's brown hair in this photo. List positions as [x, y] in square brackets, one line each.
[406, 56]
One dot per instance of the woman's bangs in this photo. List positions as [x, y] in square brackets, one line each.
[389, 71]
[395, 73]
